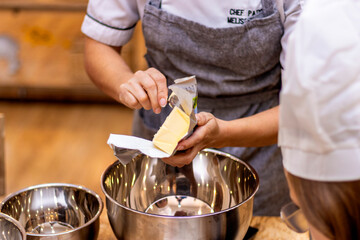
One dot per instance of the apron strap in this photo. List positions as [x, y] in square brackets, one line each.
[155, 3]
[268, 7]
[280, 7]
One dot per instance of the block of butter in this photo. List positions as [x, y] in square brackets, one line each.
[174, 128]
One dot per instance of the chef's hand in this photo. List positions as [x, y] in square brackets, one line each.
[146, 89]
[206, 135]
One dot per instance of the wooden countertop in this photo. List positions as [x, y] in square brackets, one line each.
[270, 228]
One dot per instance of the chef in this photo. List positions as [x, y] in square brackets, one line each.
[233, 47]
[319, 130]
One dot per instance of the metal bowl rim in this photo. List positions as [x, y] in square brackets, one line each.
[79, 187]
[187, 217]
[15, 222]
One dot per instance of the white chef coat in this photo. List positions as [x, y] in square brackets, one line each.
[112, 22]
[320, 99]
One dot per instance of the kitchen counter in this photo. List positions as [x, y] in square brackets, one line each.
[270, 228]
[37, 151]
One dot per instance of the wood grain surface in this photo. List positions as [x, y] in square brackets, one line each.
[51, 48]
[43, 39]
[45, 4]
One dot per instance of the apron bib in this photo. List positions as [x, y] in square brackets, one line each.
[238, 74]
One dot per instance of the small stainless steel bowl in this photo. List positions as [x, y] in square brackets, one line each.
[56, 211]
[211, 198]
[10, 229]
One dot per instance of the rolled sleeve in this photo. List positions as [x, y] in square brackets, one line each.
[110, 22]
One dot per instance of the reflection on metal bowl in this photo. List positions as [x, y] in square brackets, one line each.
[10, 229]
[56, 211]
[211, 198]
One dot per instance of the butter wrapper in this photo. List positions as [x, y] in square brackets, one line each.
[184, 96]
[127, 147]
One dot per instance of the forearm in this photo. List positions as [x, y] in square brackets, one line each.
[105, 67]
[258, 130]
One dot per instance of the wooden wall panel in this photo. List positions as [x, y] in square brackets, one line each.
[44, 4]
[50, 48]
[41, 47]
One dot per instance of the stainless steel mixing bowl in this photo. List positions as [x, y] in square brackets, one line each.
[10, 229]
[212, 198]
[56, 211]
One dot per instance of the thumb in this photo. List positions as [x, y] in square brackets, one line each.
[202, 118]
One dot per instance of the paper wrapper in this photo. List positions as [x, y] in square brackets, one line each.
[184, 96]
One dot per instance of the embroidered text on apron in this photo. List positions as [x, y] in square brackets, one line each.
[238, 75]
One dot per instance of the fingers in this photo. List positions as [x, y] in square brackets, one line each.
[148, 83]
[204, 136]
[203, 117]
[162, 90]
[147, 89]
[193, 140]
[181, 159]
[134, 96]
[200, 133]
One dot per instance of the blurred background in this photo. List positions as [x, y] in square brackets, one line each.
[54, 122]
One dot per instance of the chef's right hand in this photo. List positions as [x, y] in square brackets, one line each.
[146, 89]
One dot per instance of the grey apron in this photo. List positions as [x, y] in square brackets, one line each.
[238, 75]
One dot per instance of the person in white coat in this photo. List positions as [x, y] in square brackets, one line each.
[319, 123]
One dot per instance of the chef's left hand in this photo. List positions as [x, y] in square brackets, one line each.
[206, 135]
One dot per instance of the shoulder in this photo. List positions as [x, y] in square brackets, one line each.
[291, 7]
[330, 21]
[326, 36]
[112, 22]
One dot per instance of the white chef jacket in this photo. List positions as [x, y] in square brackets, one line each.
[320, 100]
[112, 22]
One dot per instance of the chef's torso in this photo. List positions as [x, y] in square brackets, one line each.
[232, 47]
[234, 66]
